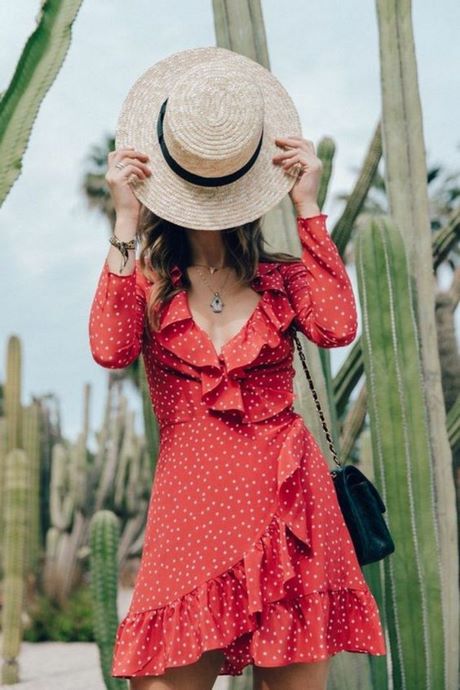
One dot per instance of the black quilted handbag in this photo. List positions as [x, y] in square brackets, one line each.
[360, 502]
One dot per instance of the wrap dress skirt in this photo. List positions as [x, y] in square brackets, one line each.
[245, 547]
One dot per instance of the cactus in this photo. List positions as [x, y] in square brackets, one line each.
[3, 454]
[61, 498]
[13, 393]
[128, 464]
[118, 478]
[16, 496]
[325, 152]
[151, 428]
[402, 457]
[116, 425]
[31, 444]
[104, 536]
[406, 185]
[343, 228]
[79, 476]
[40, 62]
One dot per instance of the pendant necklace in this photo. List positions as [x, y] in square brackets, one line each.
[216, 303]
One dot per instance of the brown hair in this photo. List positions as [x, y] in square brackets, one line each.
[164, 244]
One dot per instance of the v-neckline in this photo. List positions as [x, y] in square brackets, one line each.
[205, 334]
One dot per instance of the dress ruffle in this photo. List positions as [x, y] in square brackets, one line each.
[243, 609]
[226, 385]
[217, 614]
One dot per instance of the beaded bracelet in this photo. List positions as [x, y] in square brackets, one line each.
[123, 248]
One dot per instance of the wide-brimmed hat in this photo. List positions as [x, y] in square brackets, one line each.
[208, 118]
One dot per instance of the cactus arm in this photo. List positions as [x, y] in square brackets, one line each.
[38, 66]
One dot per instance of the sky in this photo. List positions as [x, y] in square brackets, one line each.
[324, 53]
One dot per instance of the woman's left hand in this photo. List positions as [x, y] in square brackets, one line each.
[301, 151]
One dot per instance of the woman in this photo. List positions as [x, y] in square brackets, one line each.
[246, 558]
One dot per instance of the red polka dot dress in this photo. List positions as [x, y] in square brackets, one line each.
[245, 548]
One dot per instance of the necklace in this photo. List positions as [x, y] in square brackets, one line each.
[212, 269]
[216, 303]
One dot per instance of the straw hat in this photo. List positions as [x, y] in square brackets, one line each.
[208, 118]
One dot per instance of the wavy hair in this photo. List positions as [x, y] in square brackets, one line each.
[165, 244]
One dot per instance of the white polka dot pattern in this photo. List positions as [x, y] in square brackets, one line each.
[319, 287]
[245, 548]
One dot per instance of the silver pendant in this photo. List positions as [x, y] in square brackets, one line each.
[217, 304]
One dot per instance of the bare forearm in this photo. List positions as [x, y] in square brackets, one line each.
[307, 209]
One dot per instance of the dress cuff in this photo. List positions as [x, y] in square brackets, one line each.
[315, 226]
[312, 218]
[116, 275]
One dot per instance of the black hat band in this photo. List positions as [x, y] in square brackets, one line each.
[198, 179]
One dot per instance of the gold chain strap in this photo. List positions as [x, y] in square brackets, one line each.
[315, 396]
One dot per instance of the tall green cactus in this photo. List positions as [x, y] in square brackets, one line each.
[406, 185]
[402, 457]
[16, 497]
[104, 538]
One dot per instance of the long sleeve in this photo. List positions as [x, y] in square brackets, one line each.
[319, 288]
[116, 319]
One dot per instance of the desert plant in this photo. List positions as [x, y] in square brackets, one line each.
[38, 66]
[104, 536]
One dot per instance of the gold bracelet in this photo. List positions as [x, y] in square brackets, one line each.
[123, 247]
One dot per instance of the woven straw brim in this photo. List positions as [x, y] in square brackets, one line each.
[190, 205]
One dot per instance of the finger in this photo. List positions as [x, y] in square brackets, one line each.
[116, 173]
[290, 140]
[122, 148]
[292, 161]
[298, 162]
[129, 153]
[139, 164]
[287, 154]
[304, 144]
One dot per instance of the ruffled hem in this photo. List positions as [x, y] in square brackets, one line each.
[216, 615]
[243, 609]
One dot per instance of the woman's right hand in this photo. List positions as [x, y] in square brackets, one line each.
[125, 202]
